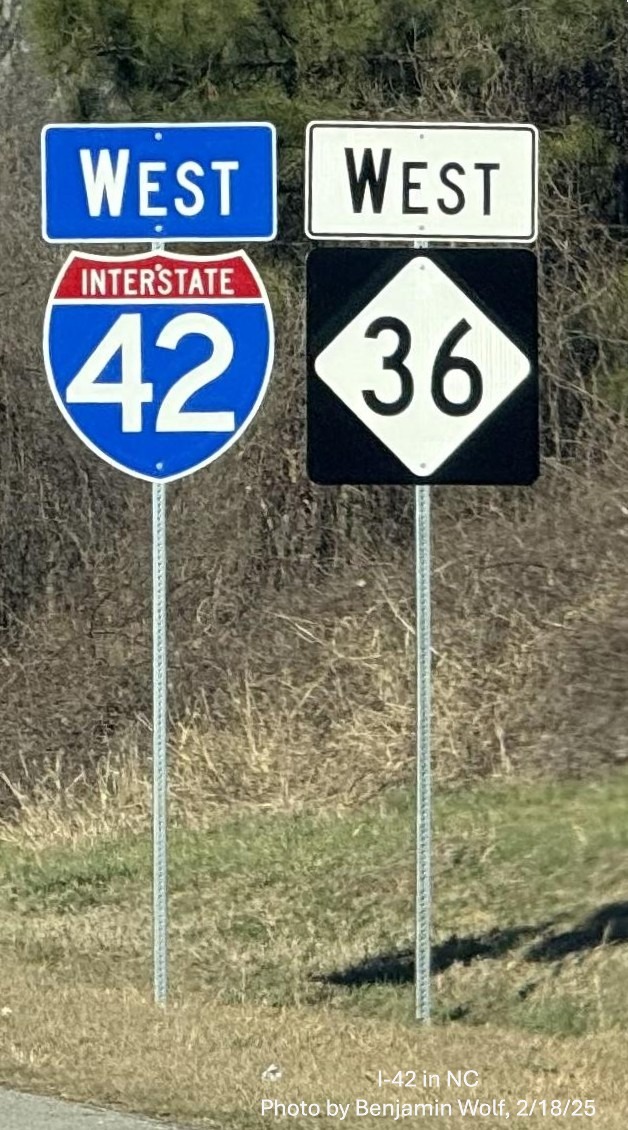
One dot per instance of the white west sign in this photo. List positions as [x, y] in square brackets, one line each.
[407, 180]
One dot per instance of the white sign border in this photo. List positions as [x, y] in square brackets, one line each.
[432, 238]
[155, 236]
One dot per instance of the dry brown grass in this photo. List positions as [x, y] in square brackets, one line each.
[291, 613]
[199, 1061]
[285, 933]
[306, 696]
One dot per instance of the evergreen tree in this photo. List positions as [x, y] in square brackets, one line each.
[562, 64]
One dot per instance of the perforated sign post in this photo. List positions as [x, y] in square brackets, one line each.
[158, 361]
[422, 363]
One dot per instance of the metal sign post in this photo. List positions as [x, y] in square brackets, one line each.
[423, 828]
[423, 904]
[160, 769]
[160, 739]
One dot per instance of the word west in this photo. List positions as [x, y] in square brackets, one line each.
[106, 181]
[451, 178]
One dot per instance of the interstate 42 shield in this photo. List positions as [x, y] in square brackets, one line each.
[158, 361]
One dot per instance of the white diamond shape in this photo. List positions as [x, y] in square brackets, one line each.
[431, 305]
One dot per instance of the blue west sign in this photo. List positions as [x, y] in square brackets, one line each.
[138, 183]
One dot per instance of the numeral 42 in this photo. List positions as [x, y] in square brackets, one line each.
[444, 363]
[131, 392]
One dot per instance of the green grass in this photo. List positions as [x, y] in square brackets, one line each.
[264, 907]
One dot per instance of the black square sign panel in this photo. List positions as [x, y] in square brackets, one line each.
[422, 366]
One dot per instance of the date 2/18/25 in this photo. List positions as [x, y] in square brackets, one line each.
[558, 1108]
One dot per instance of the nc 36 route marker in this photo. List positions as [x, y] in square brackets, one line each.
[422, 365]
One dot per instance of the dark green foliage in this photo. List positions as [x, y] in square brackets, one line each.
[561, 63]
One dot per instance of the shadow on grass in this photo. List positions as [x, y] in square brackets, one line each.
[607, 926]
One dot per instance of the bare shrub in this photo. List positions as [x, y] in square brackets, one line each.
[291, 609]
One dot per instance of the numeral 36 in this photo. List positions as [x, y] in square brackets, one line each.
[444, 363]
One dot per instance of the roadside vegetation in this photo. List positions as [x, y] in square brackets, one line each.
[290, 606]
[291, 622]
[291, 944]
